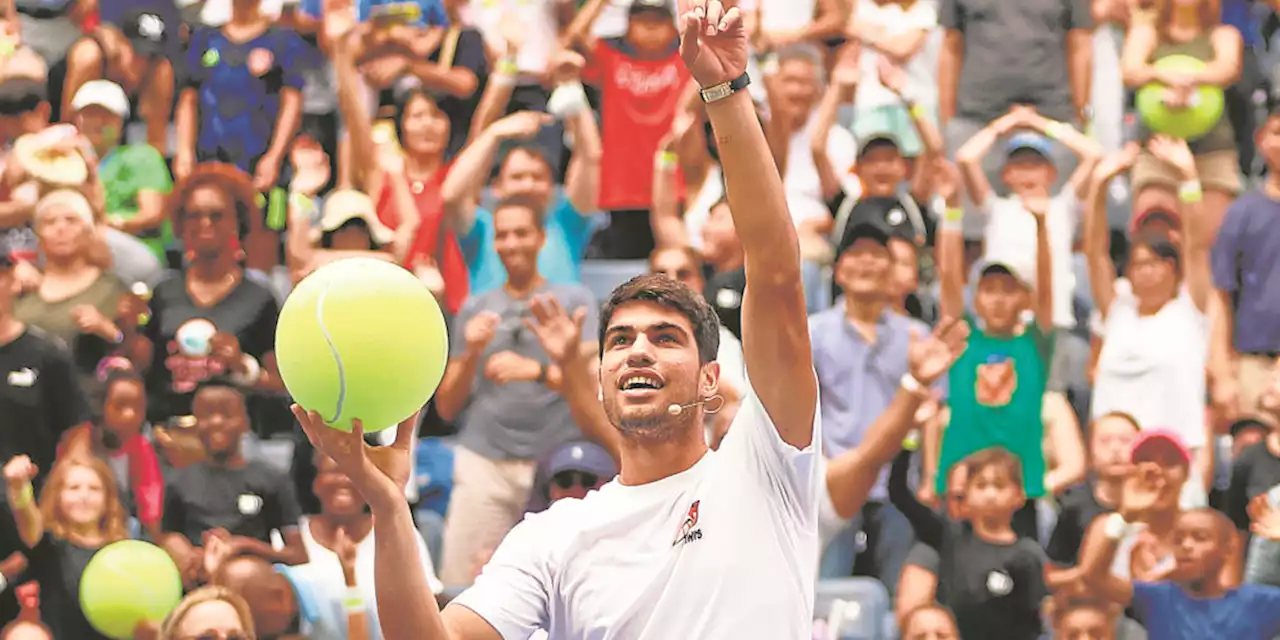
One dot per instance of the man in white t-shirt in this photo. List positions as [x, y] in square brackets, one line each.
[687, 543]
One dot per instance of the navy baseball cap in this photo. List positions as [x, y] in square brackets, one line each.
[651, 6]
[582, 456]
[855, 232]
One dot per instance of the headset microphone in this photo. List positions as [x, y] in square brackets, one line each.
[677, 409]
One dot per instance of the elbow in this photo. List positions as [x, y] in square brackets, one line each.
[466, 84]
[967, 156]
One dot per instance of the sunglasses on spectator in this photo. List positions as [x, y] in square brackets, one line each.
[571, 479]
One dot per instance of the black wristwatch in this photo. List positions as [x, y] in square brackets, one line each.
[723, 90]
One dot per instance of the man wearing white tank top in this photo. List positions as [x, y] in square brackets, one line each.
[686, 543]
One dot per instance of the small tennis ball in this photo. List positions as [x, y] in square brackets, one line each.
[361, 338]
[128, 582]
[1207, 103]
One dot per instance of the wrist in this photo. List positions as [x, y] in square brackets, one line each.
[1190, 190]
[913, 385]
[353, 600]
[953, 218]
[22, 495]
[1119, 525]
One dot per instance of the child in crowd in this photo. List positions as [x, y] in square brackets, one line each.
[997, 387]
[120, 441]
[79, 512]
[930, 622]
[989, 576]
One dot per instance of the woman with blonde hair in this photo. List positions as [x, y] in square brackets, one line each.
[79, 512]
[1187, 28]
[210, 612]
[77, 298]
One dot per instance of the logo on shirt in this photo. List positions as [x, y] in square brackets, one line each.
[260, 62]
[24, 377]
[997, 380]
[687, 532]
[210, 58]
[249, 504]
[999, 583]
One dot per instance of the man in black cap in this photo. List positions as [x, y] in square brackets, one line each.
[860, 355]
[134, 49]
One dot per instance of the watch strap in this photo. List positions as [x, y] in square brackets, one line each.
[717, 92]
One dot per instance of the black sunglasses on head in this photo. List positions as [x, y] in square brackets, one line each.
[571, 479]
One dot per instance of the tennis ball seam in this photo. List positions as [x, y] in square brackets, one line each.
[333, 349]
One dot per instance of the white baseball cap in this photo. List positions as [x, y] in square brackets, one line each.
[103, 93]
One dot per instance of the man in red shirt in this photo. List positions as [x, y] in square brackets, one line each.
[641, 82]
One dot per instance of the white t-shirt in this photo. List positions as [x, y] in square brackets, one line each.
[324, 567]
[1152, 367]
[1011, 232]
[538, 19]
[724, 549]
[698, 210]
[803, 187]
[891, 20]
[782, 15]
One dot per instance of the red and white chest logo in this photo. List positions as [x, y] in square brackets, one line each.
[689, 531]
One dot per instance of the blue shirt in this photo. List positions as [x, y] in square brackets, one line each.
[239, 87]
[1246, 263]
[1250, 612]
[430, 12]
[1240, 14]
[857, 379]
[559, 261]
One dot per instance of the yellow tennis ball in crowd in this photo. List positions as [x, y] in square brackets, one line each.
[126, 583]
[1205, 109]
[361, 338]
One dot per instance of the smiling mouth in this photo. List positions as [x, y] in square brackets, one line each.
[640, 383]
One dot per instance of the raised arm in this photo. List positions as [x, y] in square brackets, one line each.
[582, 178]
[969, 156]
[851, 475]
[1043, 301]
[844, 82]
[1097, 232]
[951, 272]
[18, 474]
[775, 331]
[407, 609]
[461, 188]
[1195, 249]
[1105, 533]
[894, 78]
[1087, 150]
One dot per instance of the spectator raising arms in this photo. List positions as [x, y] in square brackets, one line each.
[79, 512]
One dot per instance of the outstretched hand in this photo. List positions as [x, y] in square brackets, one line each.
[713, 42]
[557, 331]
[931, 356]
[379, 473]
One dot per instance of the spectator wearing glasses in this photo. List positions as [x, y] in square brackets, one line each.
[502, 389]
[571, 471]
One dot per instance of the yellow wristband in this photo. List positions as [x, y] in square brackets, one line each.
[666, 159]
[1054, 130]
[954, 214]
[918, 112]
[1190, 192]
[508, 67]
[23, 497]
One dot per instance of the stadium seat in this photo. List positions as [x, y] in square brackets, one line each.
[853, 609]
[602, 276]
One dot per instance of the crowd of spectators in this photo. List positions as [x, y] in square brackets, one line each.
[1102, 462]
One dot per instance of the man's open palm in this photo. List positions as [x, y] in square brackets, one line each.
[557, 331]
[713, 42]
[931, 356]
[377, 472]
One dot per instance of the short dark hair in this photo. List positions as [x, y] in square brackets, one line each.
[221, 382]
[909, 617]
[995, 457]
[21, 95]
[663, 291]
[1071, 605]
[528, 203]
[510, 148]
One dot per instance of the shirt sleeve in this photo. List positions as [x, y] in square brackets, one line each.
[1153, 599]
[922, 15]
[1224, 257]
[794, 475]
[283, 511]
[511, 593]
[1237, 498]
[194, 69]
[1064, 542]
[457, 340]
[1264, 602]
[951, 15]
[293, 56]
[924, 556]
[174, 518]
[577, 226]
[149, 170]
[1079, 15]
[260, 337]
[64, 402]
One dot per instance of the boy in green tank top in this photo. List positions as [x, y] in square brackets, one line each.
[997, 386]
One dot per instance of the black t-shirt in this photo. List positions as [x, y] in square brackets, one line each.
[1254, 473]
[179, 329]
[995, 590]
[724, 293]
[1078, 508]
[249, 501]
[40, 399]
[469, 54]
[57, 565]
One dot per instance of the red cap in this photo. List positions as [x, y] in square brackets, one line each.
[1156, 437]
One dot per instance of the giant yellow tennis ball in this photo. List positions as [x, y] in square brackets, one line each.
[361, 338]
[1207, 103]
[128, 582]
